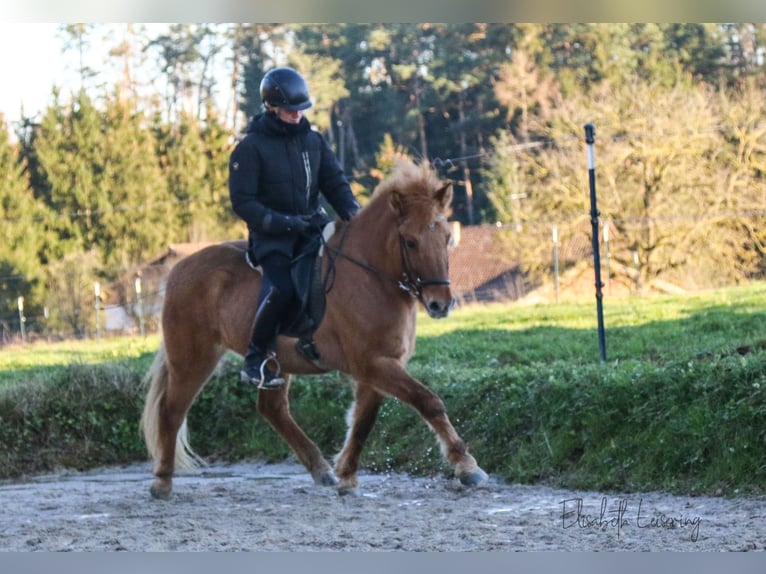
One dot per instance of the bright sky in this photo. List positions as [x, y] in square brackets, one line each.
[31, 62]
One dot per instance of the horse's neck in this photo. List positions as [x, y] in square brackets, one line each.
[372, 238]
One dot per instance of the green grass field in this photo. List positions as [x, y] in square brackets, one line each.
[652, 328]
[679, 403]
[19, 362]
[655, 328]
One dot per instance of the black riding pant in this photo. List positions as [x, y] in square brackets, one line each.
[276, 296]
[276, 273]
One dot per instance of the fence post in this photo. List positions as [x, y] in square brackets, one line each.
[556, 260]
[139, 304]
[22, 319]
[608, 259]
[590, 138]
[97, 293]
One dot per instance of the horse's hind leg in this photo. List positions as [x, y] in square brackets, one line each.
[274, 406]
[186, 374]
[361, 417]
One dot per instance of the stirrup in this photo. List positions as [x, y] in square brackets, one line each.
[276, 381]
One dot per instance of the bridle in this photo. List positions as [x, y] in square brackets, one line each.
[409, 282]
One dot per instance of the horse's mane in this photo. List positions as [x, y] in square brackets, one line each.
[412, 187]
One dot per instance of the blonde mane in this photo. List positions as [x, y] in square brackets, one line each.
[411, 188]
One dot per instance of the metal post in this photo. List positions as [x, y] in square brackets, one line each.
[97, 293]
[590, 138]
[608, 259]
[140, 306]
[22, 319]
[556, 261]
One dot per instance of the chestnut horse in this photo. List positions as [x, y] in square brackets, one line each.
[390, 256]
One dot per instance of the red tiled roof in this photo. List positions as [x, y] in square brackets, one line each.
[477, 259]
[177, 251]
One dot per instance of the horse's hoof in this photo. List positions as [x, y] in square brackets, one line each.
[161, 489]
[348, 487]
[475, 477]
[350, 491]
[326, 479]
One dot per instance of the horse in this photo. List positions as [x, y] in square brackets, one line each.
[390, 258]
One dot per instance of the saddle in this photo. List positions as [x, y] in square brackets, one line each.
[306, 316]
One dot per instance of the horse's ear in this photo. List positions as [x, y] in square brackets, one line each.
[396, 202]
[443, 195]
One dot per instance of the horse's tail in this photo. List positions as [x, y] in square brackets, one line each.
[157, 381]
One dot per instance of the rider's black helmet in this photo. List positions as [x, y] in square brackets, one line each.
[285, 88]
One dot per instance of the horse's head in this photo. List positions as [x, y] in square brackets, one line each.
[421, 202]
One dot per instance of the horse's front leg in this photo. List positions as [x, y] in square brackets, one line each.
[389, 377]
[274, 406]
[361, 417]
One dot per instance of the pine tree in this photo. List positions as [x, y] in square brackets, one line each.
[22, 233]
[135, 226]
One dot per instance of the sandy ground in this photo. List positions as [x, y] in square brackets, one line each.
[253, 506]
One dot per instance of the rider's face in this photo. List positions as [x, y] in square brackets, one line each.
[288, 116]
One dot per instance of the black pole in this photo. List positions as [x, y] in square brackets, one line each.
[590, 138]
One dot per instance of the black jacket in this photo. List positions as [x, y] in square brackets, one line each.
[277, 171]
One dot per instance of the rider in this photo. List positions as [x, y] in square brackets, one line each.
[276, 173]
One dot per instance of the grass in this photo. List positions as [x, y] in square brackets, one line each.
[678, 405]
[655, 328]
[20, 362]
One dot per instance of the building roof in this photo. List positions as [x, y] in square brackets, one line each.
[478, 258]
[176, 251]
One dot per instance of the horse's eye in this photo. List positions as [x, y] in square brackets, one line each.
[411, 243]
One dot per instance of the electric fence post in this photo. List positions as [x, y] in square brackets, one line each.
[590, 138]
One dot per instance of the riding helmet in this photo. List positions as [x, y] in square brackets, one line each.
[285, 88]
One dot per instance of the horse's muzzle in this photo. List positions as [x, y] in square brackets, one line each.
[438, 308]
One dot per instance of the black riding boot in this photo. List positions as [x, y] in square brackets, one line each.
[261, 366]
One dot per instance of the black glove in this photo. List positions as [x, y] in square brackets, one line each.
[298, 223]
[317, 220]
[278, 224]
[350, 210]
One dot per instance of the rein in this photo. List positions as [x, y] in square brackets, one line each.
[409, 282]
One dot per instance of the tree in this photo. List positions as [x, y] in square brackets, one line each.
[187, 55]
[77, 38]
[660, 191]
[135, 225]
[103, 181]
[71, 297]
[218, 143]
[261, 47]
[68, 157]
[462, 105]
[741, 184]
[195, 162]
[22, 232]
[325, 84]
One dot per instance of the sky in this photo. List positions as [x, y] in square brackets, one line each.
[33, 60]
[28, 80]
